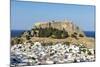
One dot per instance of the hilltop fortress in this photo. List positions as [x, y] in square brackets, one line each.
[61, 25]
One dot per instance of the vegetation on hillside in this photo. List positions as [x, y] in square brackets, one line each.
[51, 32]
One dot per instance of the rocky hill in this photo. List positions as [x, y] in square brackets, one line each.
[54, 32]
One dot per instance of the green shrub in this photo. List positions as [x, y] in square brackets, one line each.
[64, 34]
[89, 52]
[51, 32]
[27, 37]
[74, 36]
[81, 35]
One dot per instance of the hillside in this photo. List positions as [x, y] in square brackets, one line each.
[54, 32]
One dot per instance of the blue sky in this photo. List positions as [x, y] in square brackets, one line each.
[25, 14]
